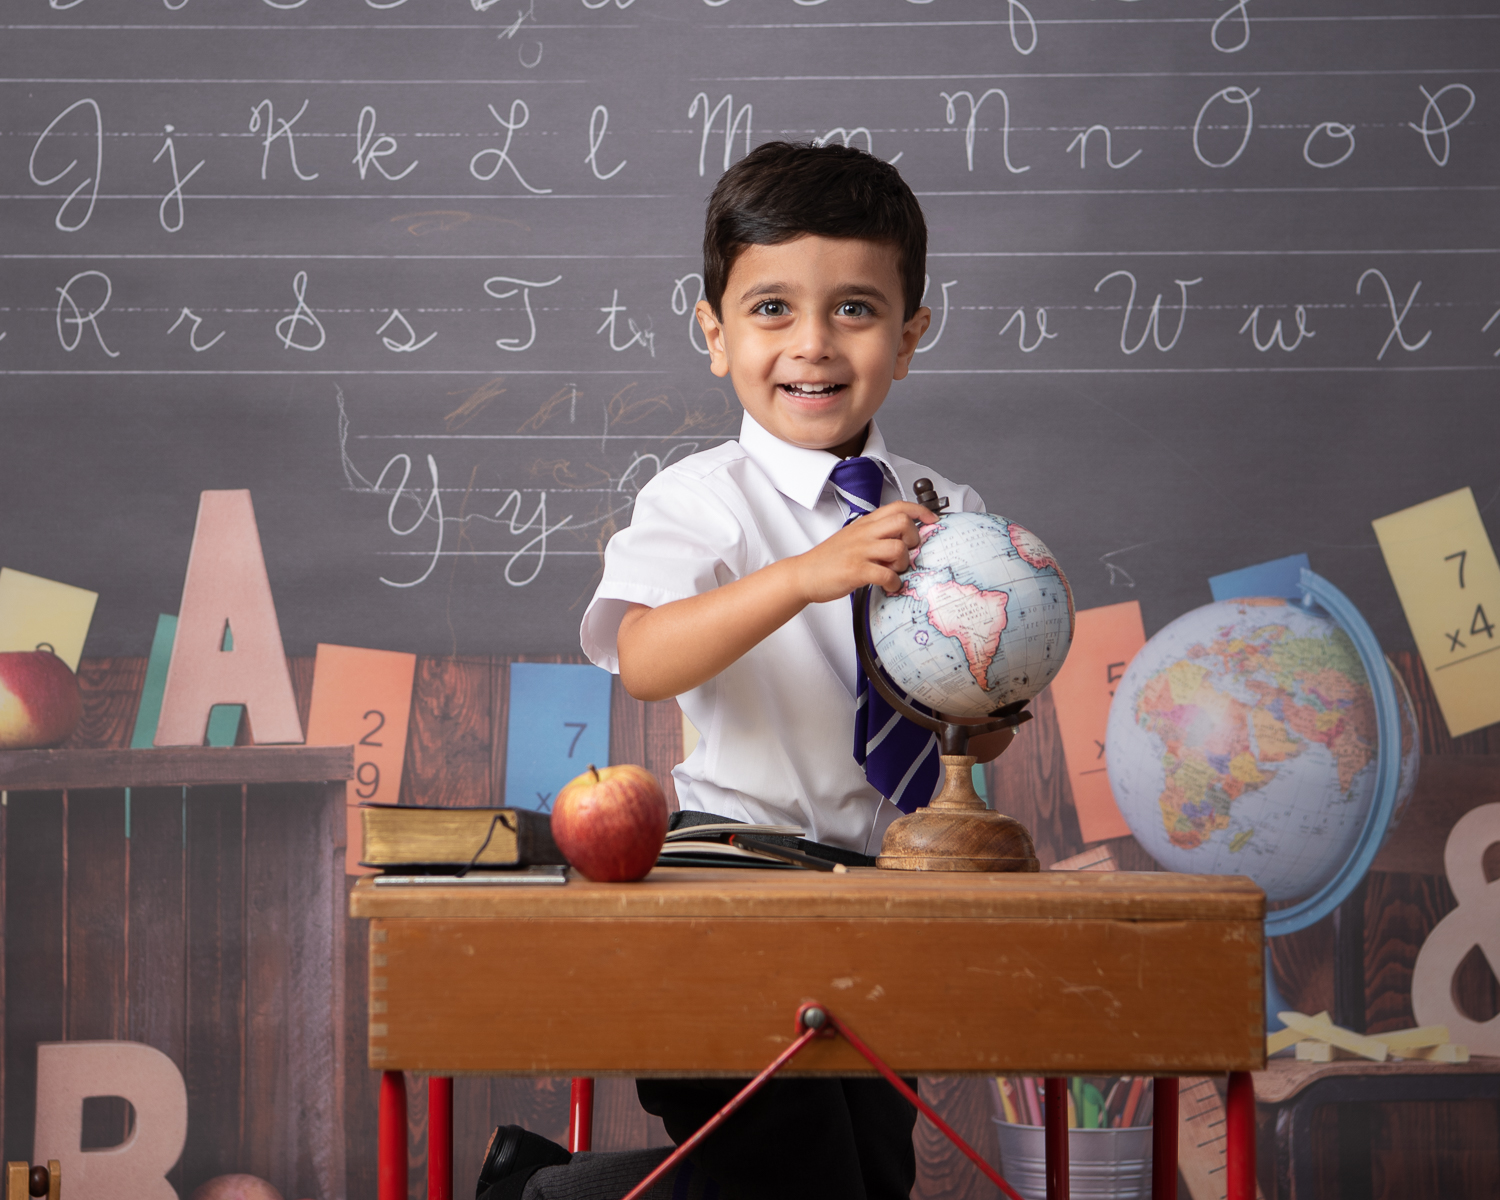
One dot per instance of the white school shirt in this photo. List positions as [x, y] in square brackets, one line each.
[776, 726]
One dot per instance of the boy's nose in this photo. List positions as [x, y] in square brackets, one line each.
[813, 340]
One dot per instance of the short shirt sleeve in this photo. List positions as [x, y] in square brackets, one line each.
[683, 539]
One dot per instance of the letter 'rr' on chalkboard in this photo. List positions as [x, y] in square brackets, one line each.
[559, 724]
[227, 585]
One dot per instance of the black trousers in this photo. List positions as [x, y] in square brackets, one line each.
[822, 1139]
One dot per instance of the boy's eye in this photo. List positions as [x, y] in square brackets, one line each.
[772, 308]
[854, 308]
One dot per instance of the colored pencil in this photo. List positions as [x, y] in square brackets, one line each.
[1133, 1101]
[1008, 1101]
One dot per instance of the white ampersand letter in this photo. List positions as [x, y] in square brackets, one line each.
[1475, 922]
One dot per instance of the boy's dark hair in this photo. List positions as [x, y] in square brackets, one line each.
[783, 190]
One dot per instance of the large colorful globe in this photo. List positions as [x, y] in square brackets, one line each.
[1242, 741]
[984, 617]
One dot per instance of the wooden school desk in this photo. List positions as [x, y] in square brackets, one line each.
[701, 972]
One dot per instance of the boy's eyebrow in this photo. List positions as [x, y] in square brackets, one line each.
[775, 288]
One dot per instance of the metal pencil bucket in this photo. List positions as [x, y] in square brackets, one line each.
[1103, 1164]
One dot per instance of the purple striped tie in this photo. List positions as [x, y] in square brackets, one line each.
[900, 759]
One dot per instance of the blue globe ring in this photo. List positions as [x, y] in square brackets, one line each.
[1318, 593]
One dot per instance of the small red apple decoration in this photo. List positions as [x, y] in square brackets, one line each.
[40, 704]
[610, 822]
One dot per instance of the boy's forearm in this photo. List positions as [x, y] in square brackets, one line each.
[674, 648]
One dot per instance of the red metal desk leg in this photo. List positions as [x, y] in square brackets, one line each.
[391, 1176]
[1055, 1137]
[1164, 1139]
[440, 1138]
[581, 1115]
[1240, 1130]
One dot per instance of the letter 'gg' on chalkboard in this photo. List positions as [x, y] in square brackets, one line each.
[558, 725]
[363, 698]
[227, 588]
[1443, 565]
[1104, 642]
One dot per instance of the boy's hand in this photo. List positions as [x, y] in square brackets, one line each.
[873, 549]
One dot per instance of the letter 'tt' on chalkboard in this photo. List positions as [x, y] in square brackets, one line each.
[227, 584]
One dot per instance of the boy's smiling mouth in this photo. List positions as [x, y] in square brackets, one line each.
[812, 391]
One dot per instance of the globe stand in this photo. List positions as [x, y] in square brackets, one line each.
[956, 831]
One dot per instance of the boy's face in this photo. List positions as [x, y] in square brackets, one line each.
[812, 337]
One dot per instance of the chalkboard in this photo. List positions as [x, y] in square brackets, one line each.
[1212, 283]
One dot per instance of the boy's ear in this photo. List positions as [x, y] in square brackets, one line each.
[911, 334]
[713, 336]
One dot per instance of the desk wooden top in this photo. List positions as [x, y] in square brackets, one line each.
[696, 971]
[691, 892]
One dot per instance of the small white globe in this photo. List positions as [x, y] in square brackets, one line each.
[985, 617]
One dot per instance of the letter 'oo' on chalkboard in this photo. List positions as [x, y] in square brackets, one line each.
[227, 584]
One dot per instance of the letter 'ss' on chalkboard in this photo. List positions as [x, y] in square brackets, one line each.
[1104, 641]
[1443, 565]
[558, 725]
[363, 698]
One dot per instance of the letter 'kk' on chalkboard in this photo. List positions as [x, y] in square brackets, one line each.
[227, 586]
[363, 698]
[559, 724]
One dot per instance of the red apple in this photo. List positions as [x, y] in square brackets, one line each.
[610, 823]
[40, 704]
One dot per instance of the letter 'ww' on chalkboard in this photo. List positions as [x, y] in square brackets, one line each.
[227, 586]
[1104, 641]
[363, 698]
[559, 724]
[1443, 565]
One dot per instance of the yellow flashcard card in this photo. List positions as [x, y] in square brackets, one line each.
[36, 611]
[1104, 641]
[363, 698]
[1443, 565]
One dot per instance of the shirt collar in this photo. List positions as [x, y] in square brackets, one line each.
[800, 474]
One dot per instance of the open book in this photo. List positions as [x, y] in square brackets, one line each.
[698, 839]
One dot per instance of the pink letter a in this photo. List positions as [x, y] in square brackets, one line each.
[226, 584]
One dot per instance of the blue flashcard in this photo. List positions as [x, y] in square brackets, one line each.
[1280, 577]
[559, 724]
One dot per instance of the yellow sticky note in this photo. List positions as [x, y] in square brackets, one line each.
[36, 611]
[363, 698]
[1443, 565]
[1104, 641]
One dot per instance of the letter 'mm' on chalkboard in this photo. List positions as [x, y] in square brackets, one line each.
[227, 586]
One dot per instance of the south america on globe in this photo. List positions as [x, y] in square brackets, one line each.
[1242, 740]
[984, 617]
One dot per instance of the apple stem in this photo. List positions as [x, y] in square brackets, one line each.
[595, 771]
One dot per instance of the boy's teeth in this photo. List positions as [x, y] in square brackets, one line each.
[804, 390]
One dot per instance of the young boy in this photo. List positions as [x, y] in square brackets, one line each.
[730, 591]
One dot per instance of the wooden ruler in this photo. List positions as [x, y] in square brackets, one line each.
[1201, 1139]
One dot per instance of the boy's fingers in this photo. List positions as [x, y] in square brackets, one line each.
[909, 510]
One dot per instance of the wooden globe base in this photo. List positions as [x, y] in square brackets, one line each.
[956, 832]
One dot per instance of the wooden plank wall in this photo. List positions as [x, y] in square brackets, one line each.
[94, 950]
[212, 933]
